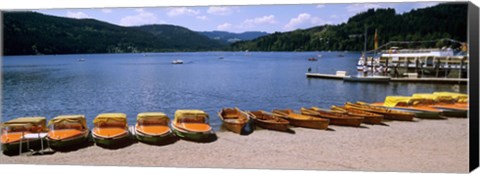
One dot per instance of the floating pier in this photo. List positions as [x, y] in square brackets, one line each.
[390, 79]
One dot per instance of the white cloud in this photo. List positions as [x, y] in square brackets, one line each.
[107, 10]
[319, 21]
[141, 18]
[357, 8]
[425, 4]
[300, 19]
[224, 26]
[320, 6]
[333, 16]
[182, 11]
[77, 15]
[220, 11]
[250, 23]
[201, 17]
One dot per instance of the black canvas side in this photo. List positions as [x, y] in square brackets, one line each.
[473, 84]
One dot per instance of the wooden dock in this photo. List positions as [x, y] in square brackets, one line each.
[431, 80]
[394, 79]
[326, 76]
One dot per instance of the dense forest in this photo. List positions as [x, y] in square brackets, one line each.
[27, 33]
[228, 37]
[441, 21]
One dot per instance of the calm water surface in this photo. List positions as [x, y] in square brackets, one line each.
[133, 83]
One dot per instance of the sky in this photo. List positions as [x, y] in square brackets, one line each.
[237, 19]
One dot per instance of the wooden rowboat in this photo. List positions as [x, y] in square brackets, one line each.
[301, 120]
[268, 121]
[234, 119]
[387, 113]
[152, 127]
[336, 118]
[110, 129]
[67, 130]
[368, 117]
[192, 125]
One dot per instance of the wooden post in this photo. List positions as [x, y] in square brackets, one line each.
[461, 68]
[386, 66]
[437, 66]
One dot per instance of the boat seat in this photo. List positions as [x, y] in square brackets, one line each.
[153, 129]
[194, 127]
[108, 132]
[12, 137]
[63, 133]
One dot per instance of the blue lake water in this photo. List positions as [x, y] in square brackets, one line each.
[133, 83]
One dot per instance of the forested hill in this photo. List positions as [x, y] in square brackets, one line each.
[441, 21]
[27, 33]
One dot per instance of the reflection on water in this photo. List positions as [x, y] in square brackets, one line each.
[133, 83]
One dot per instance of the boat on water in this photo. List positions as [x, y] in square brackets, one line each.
[374, 78]
[67, 130]
[81, 60]
[152, 127]
[414, 104]
[22, 134]
[312, 59]
[336, 118]
[110, 129]
[368, 117]
[267, 120]
[234, 119]
[177, 61]
[301, 120]
[387, 113]
[192, 125]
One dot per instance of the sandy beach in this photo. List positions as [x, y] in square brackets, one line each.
[421, 146]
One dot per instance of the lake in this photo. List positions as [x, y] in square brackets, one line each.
[52, 85]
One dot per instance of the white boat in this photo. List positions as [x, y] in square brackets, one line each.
[178, 61]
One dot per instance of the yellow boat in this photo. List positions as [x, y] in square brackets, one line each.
[192, 125]
[234, 119]
[301, 120]
[67, 130]
[152, 127]
[417, 105]
[111, 129]
[23, 134]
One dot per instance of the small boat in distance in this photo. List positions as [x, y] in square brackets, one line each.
[312, 59]
[267, 120]
[67, 130]
[177, 61]
[81, 60]
[234, 119]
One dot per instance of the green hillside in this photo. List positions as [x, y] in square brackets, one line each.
[441, 21]
[28, 33]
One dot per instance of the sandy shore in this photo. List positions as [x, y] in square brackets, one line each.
[422, 146]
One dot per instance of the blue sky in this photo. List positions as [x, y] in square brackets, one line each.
[269, 18]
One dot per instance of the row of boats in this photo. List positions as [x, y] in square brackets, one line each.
[111, 129]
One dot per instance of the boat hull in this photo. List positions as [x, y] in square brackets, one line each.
[194, 136]
[14, 147]
[312, 124]
[113, 141]
[154, 139]
[272, 126]
[236, 128]
[69, 142]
